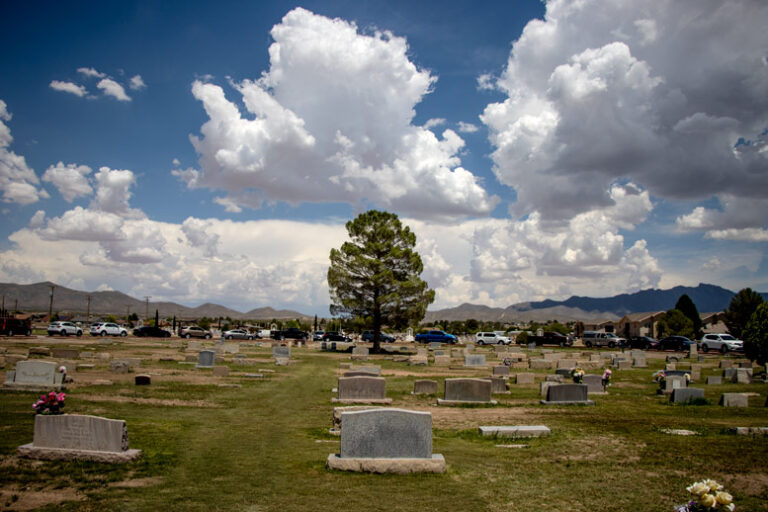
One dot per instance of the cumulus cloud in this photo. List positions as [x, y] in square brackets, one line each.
[347, 137]
[18, 181]
[198, 234]
[435, 121]
[71, 180]
[114, 89]
[113, 192]
[70, 87]
[604, 91]
[136, 83]
[91, 72]
[83, 224]
[467, 127]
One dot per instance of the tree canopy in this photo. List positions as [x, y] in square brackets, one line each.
[675, 323]
[376, 274]
[739, 311]
[756, 335]
[686, 306]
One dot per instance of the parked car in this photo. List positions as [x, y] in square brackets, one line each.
[336, 336]
[238, 334]
[194, 331]
[602, 339]
[435, 337]
[386, 338]
[10, 326]
[150, 331]
[291, 333]
[680, 343]
[318, 335]
[550, 338]
[107, 328]
[642, 342]
[722, 342]
[64, 329]
[491, 338]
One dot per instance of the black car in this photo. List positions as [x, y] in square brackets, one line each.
[642, 342]
[386, 338]
[150, 331]
[680, 343]
[335, 336]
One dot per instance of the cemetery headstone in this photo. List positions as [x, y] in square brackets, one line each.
[673, 382]
[734, 400]
[544, 386]
[498, 385]
[501, 370]
[685, 395]
[474, 360]
[34, 375]
[442, 360]
[79, 437]
[524, 378]
[386, 441]
[362, 390]
[281, 352]
[119, 367]
[65, 353]
[142, 380]
[459, 390]
[715, 380]
[567, 394]
[425, 387]
[206, 359]
[743, 376]
[435, 345]
[725, 363]
[514, 431]
[594, 384]
[221, 371]
[639, 362]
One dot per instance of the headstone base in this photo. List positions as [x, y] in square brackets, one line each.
[442, 401]
[361, 400]
[515, 431]
[34, 452]
[436, 464]
[573, 402]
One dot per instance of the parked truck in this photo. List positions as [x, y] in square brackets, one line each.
[550, 338]
[10, 326]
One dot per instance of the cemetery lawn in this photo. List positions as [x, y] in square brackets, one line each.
[209, 445]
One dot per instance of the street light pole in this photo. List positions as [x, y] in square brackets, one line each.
[146, 310]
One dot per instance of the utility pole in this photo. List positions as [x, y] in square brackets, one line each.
[16, 307]
[88, 314]
[50, 304]
[146, 311]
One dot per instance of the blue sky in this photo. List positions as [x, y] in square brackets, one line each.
[212, 152]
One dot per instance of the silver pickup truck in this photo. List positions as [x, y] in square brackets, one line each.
[602, 339]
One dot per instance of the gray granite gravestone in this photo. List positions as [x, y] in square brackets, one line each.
[594, 384]
[734, 400]
[671, 383]
[425, 387]
[715, 380]
[374, 370]
[34, 375]
[206, 359]
[501, 370]
[524, 378]
[498, 385]
[459, 391]
[514, 431]
[65, 353]
[685, 395]
[435, 345]
[281, 352]
[386, 441]
[471, 360]
[362, 390]
[567, 394]
[79, 437]
[442, 360]
[544, 386]
[743, 376]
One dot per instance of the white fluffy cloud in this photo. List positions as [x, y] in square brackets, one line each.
[71, 180]
[18, 182]
[136, 83]
[91, 72]
[348, 137]
[114, 89]
[70, 87]
[113, 192]
[659, 94]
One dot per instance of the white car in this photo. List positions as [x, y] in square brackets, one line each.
[721, 342]
[491, 338]
[107, 329]
[64, 329]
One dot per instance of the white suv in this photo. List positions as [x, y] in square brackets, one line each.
[107, 328]
[721, 342]
[491, 338]
[64, 329]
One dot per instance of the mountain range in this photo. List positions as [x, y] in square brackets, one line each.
[36, 298]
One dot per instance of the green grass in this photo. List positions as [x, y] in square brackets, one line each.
[262, 447]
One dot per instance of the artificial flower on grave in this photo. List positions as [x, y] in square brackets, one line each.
[659, 376]
[52, 403]
[578, 375]
[709, 496]
[607, 378]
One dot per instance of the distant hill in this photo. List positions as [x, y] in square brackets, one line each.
[34, 298]
[707, 297]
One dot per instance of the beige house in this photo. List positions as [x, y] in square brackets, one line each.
[711, 323]
[639, 324]
[600, 325]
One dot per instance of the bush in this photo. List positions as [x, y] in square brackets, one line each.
[522, 338]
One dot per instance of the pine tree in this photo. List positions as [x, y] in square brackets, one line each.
[377, 274]
[742, 305]
[688, 308]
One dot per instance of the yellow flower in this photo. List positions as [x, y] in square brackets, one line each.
[697, 488]
[713, 486]
[707, 500]
[723, 498]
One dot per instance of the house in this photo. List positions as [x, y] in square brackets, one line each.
[639, 324]
[600, 325]
[712, 323]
